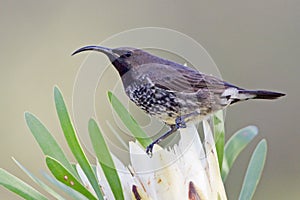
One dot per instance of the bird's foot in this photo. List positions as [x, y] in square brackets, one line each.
[179, 122]
[149, 149]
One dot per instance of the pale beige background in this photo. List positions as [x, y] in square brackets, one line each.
[254, 43]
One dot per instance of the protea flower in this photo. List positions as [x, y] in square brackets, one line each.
[189, 170]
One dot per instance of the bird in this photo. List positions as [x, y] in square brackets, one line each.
[174, 93]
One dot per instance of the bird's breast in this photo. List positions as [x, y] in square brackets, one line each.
[154, 101]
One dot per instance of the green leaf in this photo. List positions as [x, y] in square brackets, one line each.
[47, 142]
[129, 121]
[39, 182]
[234, 147]
[254, 171]
[19, 187]
[219, 135]
[73, 141]
[64, 176]
[105, 159]
[68, 190]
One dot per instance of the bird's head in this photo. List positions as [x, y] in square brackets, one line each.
[123, 58]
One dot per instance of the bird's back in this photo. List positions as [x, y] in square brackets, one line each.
[168, 90]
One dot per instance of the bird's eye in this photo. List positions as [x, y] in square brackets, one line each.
[126, 55]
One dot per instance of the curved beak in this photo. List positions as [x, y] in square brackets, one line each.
[107, 51]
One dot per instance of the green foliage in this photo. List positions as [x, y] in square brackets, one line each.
[39, 182]
[17, 186]
[64, 176]
[105, 159]
[234, 147]
[47, 142]
[68, 190]
[219, 135]
[73, 141]
[254, 170]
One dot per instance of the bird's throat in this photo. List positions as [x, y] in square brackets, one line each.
[120, 67]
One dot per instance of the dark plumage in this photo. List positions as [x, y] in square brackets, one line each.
[174, 93]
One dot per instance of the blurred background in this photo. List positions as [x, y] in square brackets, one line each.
[255, 44]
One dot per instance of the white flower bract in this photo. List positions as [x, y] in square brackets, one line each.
[189, 170]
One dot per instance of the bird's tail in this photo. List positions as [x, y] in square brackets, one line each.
[261, 94]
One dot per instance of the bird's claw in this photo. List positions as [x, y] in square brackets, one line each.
[180, 123]
[149, 149]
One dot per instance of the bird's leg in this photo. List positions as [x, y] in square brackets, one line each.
[179, 123]
[150, 146]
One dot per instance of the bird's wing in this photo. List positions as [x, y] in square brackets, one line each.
[183, 79]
